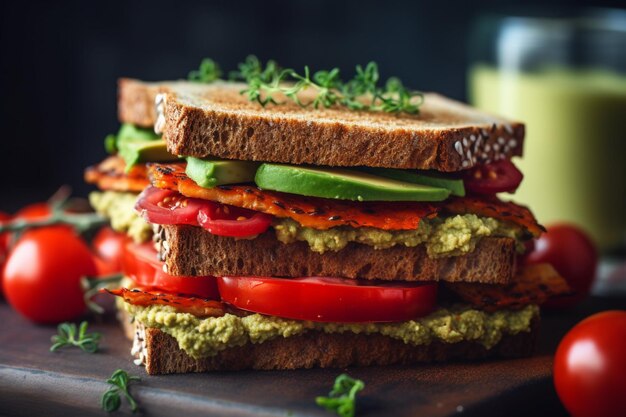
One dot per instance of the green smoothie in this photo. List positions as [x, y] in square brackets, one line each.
[574, 160]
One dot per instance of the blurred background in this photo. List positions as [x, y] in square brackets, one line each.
[61, 60]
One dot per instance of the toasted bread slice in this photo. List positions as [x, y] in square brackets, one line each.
[192, 251]
[216, 120]
[161, 355]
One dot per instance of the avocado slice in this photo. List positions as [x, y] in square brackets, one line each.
[136, 145]
[342, 184]
[208, 173]
[425, 178]
[133, 152]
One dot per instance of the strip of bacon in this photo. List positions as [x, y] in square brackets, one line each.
[110, 174]
[534, 284]
[192, 305]
[320, 213]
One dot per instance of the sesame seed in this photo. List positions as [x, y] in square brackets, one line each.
[479, 141]
[469, 155]
[506, 149]
[512, 143]
[484, 155]
[487, 147]
[488, 161]
[465, 143]
[496, 147]
[508, 128]
[473, 138]
[485, 133]
[501, 140]
[458, 147]
[465, 164]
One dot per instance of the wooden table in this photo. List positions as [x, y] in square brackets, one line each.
[34, 381]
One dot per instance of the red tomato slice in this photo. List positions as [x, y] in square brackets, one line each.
[329, 299]
[140, 263]
[497, 177]
[169, 207]
[233, 221]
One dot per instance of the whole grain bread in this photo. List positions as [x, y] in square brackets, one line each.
[162, 355]
[192, 251]
[216, 120]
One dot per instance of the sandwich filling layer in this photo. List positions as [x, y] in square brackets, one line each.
[205, 337]
[119, 208]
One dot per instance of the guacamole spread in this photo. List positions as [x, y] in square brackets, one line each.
[119, 208]
[451, 236]
[206, 337]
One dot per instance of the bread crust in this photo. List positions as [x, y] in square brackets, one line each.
[216, 120]
[192, 251]
[319, 349]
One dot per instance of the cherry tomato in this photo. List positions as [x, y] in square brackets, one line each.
[573, 255]
[42, 274]
[5, 239]
[142, 266]
[496, 177]
[590, 366]
[34, 211]
[108, 246]
[169, 207]
[329, 299]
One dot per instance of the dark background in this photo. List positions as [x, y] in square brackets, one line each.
[60, 62]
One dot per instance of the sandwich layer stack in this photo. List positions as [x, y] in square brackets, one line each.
[283, 237]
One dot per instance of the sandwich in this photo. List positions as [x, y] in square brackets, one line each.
[300, 222]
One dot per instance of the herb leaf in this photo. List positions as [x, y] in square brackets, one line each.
[119, 382]
[362, 92]
[208, 72]
[68, 335]
[342, 398]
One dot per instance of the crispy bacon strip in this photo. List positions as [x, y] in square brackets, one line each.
[110, 175]
[493, 207]
[192, 305]
[320, 213]
[534, 284]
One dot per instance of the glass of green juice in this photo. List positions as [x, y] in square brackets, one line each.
[564, 76]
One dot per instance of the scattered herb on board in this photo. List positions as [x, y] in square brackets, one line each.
[362, 92]
[342, 398]
[69, 336]
[111, 399]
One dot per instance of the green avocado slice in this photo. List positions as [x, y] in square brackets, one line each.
[209, 173]
[425, 178]
[136, 145]
[342, 184]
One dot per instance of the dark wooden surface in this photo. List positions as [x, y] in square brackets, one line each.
[35, 382]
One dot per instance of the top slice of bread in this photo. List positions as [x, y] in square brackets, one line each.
[216, 120]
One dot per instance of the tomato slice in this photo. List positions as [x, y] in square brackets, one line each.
[169, 207]
[329, 299]
[140, 263]
[233, 221]
[497, 177]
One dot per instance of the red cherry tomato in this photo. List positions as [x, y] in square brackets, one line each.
[5, 239]
[142, 266]
[573, 255]
[329, 299]
[169, 207]
[496, 177]
[42, 274]
[34, 211]
[590, 366]
[108, 246]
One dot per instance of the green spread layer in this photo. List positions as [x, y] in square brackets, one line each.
[451, 236]
[119, 207]
[206, 337]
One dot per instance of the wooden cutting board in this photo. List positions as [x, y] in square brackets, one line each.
[34, 381]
